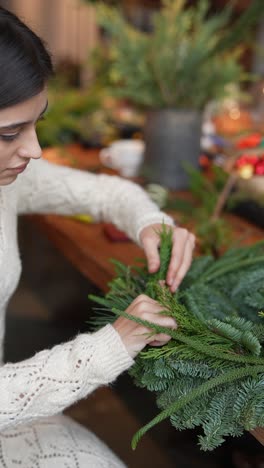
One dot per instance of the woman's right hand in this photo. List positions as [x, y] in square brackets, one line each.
[135, 336]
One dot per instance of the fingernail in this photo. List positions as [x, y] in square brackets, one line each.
[169, 282]
[152, 266]
[175, 286]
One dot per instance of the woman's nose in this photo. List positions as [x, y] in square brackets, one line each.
[31, 147]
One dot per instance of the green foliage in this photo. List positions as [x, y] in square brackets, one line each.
[67, 109]
[213, 234]
[211, 373]
[189, 57]
[111, 2]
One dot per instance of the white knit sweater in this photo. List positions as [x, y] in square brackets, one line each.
[50, 381]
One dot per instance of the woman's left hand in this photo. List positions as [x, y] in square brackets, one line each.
[181, 256]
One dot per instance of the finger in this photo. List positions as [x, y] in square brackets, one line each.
[150, 246]
[152, 312]
[161, 320]
[145, 302]
[180, 237]
[186, 263]
[143, 298]
[183, 247]
[159, 340]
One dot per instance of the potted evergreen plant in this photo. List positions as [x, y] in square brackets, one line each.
[188, 58]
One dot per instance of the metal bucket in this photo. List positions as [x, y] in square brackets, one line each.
[172, 137]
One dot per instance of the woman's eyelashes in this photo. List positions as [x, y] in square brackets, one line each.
[41, 119]
[9, 137]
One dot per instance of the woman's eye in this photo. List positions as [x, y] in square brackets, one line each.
[10, 137]
[41, 119]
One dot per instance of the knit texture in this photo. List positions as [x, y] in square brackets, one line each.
[34, 390]
[49, 188]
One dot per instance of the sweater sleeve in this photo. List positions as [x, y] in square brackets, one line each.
[49, 188]
[53, 379]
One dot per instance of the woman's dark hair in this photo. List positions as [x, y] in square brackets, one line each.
[25, 64]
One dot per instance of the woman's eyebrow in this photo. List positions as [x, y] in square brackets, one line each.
[15, 125]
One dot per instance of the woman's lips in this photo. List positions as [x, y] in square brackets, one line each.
[19, 169]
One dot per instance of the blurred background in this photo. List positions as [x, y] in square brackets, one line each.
[106, 90]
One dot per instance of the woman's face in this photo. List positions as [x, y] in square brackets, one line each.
[18, 138]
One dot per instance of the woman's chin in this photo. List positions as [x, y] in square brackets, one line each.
[7, 179]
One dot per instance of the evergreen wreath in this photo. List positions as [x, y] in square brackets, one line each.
[211, 373]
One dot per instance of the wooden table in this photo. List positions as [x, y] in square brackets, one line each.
[87, 247]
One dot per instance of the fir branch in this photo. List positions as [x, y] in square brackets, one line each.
[245, 337]
[235, 266]
[217, 422]
[194, 343]
[233, 375]
[203, 348]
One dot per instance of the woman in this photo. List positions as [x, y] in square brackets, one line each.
[34, 391]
